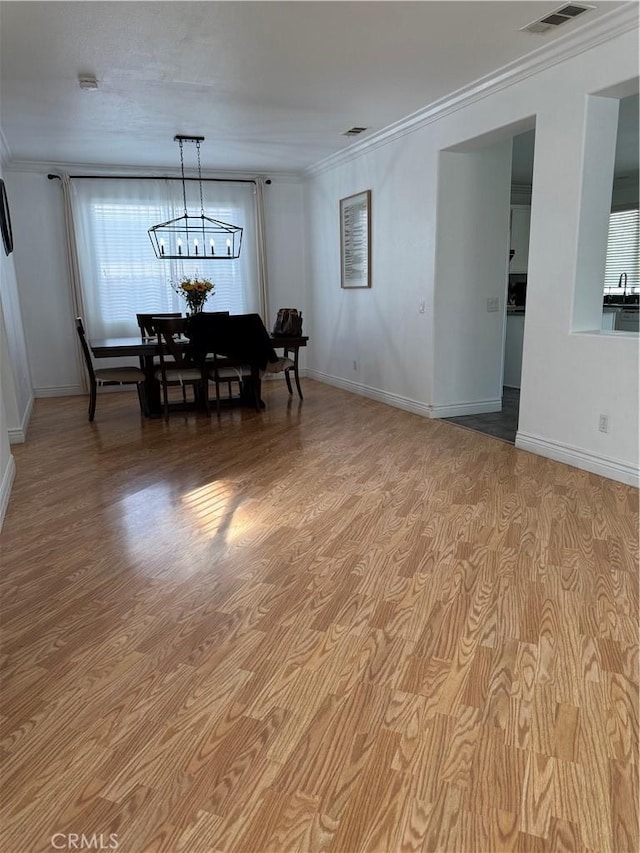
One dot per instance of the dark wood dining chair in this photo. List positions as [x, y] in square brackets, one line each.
[146, 326]
[221, 370]
[177, 367]
[203, 331]
[147, 329]
[108, 375]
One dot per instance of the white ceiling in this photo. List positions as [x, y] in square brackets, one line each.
[271, 85]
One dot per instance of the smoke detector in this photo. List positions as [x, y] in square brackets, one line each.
[87, 81]
[557, 18]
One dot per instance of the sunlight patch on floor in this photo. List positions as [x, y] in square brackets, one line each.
[213, 507]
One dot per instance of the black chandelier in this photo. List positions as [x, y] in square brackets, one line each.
[193, 237]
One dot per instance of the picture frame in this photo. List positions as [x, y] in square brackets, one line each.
[355, 240]
[5, 220]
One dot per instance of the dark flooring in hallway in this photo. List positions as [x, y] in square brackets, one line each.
[499, 424]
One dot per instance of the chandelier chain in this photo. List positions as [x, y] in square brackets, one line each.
[200, 178]
[184, 187]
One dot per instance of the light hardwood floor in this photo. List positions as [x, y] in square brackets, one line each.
[330, 626]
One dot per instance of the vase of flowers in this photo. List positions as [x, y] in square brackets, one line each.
[195, 291]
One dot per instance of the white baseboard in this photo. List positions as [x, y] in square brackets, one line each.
[613, 469]
[59, 391]
[5, 487]
[18, 435]
[474, 407]
[396, 400]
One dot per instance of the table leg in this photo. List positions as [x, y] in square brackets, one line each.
[151, 389]
[295, 351]
[286, 373]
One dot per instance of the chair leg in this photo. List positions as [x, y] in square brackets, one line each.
[217, 396]
[92, 400]
[257, 389]
[205, 392]
[165, 398]
[142, 399]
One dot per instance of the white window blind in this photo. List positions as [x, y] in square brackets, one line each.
[121, 275]
[623, 252]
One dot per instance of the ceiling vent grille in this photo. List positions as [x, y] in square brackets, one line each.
[557, 18]
[354, 131]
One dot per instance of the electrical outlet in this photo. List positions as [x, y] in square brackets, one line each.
[492, 304]
[603, 423]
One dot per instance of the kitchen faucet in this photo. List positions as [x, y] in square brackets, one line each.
[623, 276]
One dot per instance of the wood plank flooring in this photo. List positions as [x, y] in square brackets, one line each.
[330, 626]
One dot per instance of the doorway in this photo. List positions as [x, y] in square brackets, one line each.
[501, 421]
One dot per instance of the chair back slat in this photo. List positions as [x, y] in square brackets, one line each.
[145, 322]
[168, 329]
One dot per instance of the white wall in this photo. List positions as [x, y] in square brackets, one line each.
[571, 377]
[472, 247]
[568, 379]
[594, 128]
[380, 329]
[7, 464]
[45, 295]
[15, 376]
[15, 382]
[514, 337]
[285, 234]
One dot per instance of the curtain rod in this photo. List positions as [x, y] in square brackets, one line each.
[160, 178]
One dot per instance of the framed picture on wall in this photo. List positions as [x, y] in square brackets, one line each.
[355, 240]
[5, 220]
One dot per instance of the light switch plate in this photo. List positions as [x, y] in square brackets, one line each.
[492, 304]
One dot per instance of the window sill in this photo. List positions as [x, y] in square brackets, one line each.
[608, 333]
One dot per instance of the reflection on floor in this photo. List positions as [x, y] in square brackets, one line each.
[499, 424]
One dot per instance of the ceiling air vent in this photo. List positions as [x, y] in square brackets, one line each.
[354, 131]
[556, 18]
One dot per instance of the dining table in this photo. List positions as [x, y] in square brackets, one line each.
[145, 349]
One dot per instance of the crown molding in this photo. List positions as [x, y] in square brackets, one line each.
[44, 167]
[589, 35]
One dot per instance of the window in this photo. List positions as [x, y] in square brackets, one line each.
[623, 252]
[120, 273]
